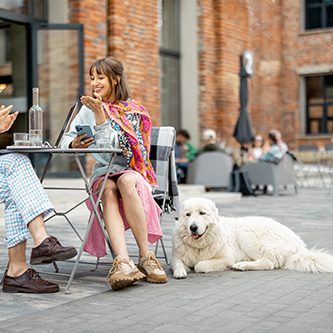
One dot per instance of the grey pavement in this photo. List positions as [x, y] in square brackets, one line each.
[261, 301]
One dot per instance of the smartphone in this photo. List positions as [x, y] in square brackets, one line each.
[84, 129]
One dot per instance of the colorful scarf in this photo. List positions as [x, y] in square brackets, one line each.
[117, 112]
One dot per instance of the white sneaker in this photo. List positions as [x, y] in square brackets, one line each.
[152, 269]
[123, 273]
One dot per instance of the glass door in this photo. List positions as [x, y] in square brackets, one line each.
[57, 54]
[13, 74]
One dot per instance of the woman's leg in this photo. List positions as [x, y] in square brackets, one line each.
[123, 272]
[133, 209]
[113, 221]
[135, 215]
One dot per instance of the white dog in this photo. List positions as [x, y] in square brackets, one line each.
[206, 242]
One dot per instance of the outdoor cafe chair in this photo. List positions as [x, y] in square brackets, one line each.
[162, 157]
[329, 164]
[211, 169]
[278, 175]
[308, 170]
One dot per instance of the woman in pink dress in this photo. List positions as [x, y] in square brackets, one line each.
[127, 199]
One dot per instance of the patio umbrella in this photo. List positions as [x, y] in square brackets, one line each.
[243, 130]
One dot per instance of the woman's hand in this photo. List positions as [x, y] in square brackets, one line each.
[82, 141]
[95, 105]
[6, 119]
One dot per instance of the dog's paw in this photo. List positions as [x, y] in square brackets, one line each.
[201, 267]
[180, 273]
[240, 266]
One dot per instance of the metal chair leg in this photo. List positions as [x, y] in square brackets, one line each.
[163, 249]
[4, 273]
[56, 268]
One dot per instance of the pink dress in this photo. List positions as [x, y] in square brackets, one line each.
[95, 244]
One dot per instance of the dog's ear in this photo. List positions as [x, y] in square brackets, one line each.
[214, 208]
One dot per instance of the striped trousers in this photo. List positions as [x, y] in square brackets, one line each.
[23, 196]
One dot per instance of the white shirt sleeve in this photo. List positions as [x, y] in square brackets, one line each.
[84, 117]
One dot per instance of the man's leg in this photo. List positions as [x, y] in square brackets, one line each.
[25, 202]
[17, 261]
[38, 230]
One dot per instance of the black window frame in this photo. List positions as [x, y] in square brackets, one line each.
[33, 25]
[169, 53]
[325, 119]
[308, 7]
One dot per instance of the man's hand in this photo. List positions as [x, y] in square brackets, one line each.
[6, 119]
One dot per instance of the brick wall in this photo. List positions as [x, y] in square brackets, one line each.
[267, 109]
[134, 39]
[128, 30]
[93, 14]
[281, 49]
[223, 35]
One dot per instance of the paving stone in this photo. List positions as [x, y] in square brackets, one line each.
[252, 302]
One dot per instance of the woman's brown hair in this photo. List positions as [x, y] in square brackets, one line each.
[113, 69]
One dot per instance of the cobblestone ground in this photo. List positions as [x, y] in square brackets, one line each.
[262, 301]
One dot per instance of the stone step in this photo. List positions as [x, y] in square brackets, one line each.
[220, 197]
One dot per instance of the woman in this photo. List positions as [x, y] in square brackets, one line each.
[277, 148]
[127, 199]
[257, 149]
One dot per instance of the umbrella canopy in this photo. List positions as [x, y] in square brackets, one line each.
[243, 130]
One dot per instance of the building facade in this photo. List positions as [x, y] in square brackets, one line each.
[182, 58]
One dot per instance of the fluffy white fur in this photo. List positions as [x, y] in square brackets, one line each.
[206, 242]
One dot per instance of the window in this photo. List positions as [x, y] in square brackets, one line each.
[318, 14]
[319, 104]
[34, 8]
[38, 47]
[170, 62]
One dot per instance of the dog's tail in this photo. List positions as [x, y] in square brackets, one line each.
[314, 261]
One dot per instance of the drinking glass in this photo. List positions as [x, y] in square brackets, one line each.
[21, 139]
[102, 139]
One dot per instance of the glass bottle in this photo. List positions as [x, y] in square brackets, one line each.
[35, 120]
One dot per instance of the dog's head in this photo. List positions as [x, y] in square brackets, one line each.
[197, 216]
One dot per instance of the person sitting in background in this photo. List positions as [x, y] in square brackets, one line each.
[257, 150]
[277, 149]
[26, 205]
[209, 139]
[185, 152]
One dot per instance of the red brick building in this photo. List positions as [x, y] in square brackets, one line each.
[182, 60]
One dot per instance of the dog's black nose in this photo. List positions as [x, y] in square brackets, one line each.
[193, 227]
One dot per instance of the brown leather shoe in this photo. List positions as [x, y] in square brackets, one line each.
[51, 250]
[28, 282]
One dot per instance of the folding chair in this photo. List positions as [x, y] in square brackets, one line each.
[329, 164]
[315, 169]
[162, 157]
